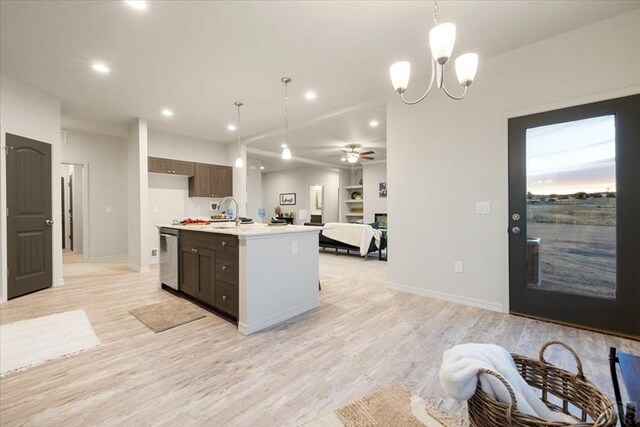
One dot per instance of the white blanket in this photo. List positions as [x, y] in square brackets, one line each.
[358, 235]
[458, 377]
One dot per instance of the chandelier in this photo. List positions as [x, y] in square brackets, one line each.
[442, 37]
[286, 152]
[239, 162]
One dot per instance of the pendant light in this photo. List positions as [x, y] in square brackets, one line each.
[239, 162]
[286, 151]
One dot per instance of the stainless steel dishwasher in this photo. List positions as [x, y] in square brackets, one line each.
[169, 257]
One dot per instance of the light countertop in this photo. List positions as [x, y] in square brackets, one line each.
[245, 230]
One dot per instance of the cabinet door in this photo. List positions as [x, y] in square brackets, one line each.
[200, 182]
[188, 270]
[222, 181]
[158, 165]
[206, 291]
[180, 167]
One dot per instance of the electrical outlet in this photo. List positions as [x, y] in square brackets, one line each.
[457, 266]
[294, 247]
[483, 208]
[108, 209]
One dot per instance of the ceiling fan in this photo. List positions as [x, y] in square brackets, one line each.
[351, 155]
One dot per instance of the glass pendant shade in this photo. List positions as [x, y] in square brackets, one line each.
[400, 73]
[239, 162]
[442, 38]
[286, 153]
[352, 158]
[466, 68]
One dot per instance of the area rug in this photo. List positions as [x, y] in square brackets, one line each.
[167, 315]
[32, 342]
[391, 406]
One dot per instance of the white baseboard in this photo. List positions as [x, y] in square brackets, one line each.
[245, 329]
[444, 296]
[106, 258]
[137, 268]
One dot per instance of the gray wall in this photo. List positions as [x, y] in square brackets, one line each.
[444, 156]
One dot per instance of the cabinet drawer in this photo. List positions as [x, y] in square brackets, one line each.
[227, 270]
[197, 238]
[227, 298]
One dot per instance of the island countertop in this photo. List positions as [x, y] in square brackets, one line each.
[244, 230]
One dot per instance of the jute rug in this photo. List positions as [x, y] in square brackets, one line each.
[32, 342]
[167, 315]
[391, 406]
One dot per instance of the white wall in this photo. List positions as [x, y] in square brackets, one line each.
[298, 181]
[444, 156]
[105, 165]
[373, 175]
[33, 114]
[138, 197]
[169, 194]
[78, 202]
[254, 191]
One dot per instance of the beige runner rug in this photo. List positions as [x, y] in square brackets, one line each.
[167, 315]
[391, 406]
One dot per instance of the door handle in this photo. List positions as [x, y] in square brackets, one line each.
[224, 267]
[515, 230]
[49, 222]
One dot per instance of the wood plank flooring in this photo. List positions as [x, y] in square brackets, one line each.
[362, 338]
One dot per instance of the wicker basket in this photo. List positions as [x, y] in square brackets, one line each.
[572, 389]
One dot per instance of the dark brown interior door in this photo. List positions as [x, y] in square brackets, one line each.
[29, 234]
[574, 215]
[71, 212]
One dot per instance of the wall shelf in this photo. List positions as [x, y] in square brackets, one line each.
[353, 187]
[354, 201]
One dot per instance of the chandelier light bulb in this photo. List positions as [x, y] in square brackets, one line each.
[466, 68]
[442, 38]
[352, 158]
[286, 153]
[400, 73]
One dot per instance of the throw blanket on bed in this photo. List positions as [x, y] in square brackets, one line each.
[458, 377]
[358, 235]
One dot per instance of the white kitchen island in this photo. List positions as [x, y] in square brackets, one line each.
[277, 269]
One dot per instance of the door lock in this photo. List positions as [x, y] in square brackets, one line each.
[49, 222]
[515, 217]
[515, 230]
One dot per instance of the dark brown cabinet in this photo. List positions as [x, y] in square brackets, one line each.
[170, 166]
[209, 269]
[211, 181]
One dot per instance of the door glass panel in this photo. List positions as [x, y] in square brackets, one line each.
[571, 207]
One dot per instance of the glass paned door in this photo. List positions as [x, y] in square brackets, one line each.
[574, 215]
[571, 207]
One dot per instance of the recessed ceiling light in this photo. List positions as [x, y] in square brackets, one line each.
[310, 95]
[137, 4]
[167, 113]
[100, 67]
[231, 127]
[343, 159]
[373, 123]
[261, 168]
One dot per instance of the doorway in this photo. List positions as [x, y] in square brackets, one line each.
[73, 212]
[574, 204]
[29, 234]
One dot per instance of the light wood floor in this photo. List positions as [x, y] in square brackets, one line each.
[362, 337]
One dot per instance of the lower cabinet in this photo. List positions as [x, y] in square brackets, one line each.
[209, 269]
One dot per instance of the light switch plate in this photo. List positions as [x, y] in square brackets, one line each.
[483, 208]
[457, 266]
[108, 209]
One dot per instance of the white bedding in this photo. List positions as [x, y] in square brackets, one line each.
[358, 235]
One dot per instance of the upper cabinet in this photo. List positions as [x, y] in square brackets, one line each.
[170, 166]
[211, 181]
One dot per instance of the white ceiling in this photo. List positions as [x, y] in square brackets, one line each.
[198, 57]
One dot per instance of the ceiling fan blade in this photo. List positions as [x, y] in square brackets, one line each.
[367, 152]
[367, 157]
[345, 151]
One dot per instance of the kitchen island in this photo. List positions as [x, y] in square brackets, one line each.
[257, 274]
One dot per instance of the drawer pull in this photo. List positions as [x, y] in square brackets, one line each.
[224, 297]
[224, 267]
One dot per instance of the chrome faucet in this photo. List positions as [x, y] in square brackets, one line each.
[235, 212]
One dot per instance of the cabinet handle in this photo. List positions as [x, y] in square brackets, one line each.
[224, 297]
[224, 243]
[224, 267]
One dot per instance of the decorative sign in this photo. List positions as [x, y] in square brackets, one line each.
[288, 198]
[382, 191]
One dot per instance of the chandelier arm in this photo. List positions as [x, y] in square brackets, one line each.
[457, 98]
[433, 75]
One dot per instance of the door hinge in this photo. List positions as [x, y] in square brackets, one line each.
[7, 148]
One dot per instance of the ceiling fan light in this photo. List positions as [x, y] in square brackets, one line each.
[442, 38]
[400, 73]
[286, 153]
[466, 68]
[352, 157]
